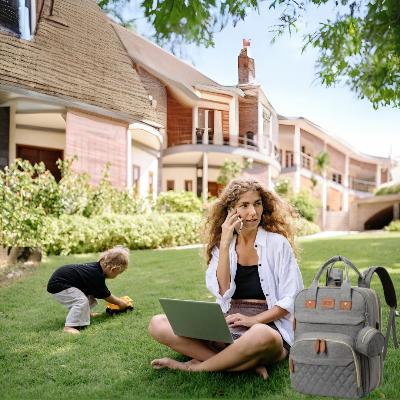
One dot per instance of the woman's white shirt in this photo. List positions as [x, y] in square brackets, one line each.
[279, 274]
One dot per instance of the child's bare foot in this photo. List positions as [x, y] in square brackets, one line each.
[161, 363]
[71, 330]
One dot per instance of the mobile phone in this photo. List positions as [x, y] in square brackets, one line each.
[238, 230]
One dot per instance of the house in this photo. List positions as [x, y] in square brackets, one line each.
[67, 87]
[72, 82]
[348, 177]
[207, 123]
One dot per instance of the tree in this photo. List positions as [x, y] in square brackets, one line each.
[232, 169]
[359, 46]
[321, 162]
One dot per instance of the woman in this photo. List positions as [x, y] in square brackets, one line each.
[253, 273]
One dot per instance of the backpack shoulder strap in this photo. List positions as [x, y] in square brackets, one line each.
[390, 297]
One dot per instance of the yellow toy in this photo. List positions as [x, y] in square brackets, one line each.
[112, 309]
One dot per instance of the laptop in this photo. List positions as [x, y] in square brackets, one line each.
[197, 319]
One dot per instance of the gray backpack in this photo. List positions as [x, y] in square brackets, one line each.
[338, 346]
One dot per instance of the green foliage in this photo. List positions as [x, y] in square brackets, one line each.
[232, 169]
[282, 187]
[389, 189]
[26, 194]
[321, 162]
[178, 202]
[74, 189]
[359, 46]
[314, 182]
[105, 198]
[77, 234]
[394, 226]
[304, 227]
[305, 204]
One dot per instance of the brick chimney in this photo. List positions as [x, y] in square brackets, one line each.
[246, 67]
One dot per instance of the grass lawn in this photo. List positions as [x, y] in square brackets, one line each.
[110, 359]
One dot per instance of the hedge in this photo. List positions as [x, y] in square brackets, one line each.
[76, 234]
[394, 226]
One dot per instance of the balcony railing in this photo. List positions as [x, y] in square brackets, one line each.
[247, 143]
[213, 137]
[362, 185]
[307, 161]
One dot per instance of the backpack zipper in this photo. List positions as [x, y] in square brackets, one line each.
[352, 351]
[366, 333]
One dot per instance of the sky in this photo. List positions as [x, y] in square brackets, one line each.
[288, 78]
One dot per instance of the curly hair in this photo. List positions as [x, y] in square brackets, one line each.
[277, 214]
[118, 257]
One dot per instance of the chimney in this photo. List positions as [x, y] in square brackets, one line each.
[246, 67]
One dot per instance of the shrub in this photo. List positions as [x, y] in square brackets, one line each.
[304, 227]
[389, 189]
[282, 187]
[178, 202]
[23, 204]
[305, 204]
[77, 234]
[394, 226]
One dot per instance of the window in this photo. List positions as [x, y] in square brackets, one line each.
[135, 179]
[202, 128]
[151, 182]
[17, 17]
[289, 161]
[170, 185]
[189, 186]
[337, 178]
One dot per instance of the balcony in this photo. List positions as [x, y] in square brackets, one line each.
[307, 161]
[247, 143]
[362, 185]
[210, 137]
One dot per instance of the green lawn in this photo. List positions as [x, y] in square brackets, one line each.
[111, 358]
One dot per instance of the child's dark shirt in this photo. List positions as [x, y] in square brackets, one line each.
[89, 278]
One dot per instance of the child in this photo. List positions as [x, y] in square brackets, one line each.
[78, 285]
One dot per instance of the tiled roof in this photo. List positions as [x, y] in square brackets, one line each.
[164, 65]
[76, 55]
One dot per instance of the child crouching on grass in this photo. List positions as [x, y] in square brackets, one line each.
[78, 285]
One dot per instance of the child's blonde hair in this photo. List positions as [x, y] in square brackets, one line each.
[117, 257]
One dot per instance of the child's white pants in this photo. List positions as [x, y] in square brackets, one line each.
[78, 305]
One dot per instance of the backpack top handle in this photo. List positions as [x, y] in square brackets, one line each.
[346, 286]
[332, 261]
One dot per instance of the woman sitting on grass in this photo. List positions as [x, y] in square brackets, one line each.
[254, 275]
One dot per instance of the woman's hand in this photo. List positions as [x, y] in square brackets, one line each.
[231, 222]
[241, 320]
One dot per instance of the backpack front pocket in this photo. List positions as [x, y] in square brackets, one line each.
[325, 364]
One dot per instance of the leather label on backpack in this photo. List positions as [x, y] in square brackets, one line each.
[345, 305]
[328, 302]
[309, 304]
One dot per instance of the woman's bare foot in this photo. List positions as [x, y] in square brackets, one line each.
[71, 330]
[169, 363]
[262, 371]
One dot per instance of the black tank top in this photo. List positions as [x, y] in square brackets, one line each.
[248, 285]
